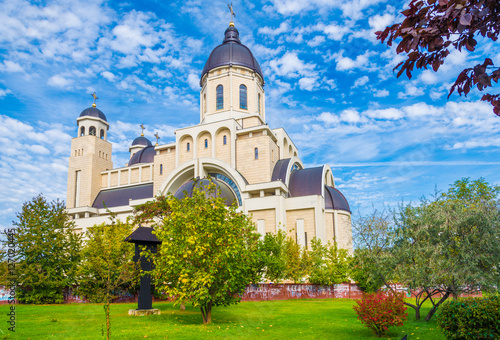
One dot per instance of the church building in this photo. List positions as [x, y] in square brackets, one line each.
[255, 166]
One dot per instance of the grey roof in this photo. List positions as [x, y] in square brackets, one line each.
[121, 196]
[231, 52]
[334, 199]
[306, 182]
[280, 169]
[187, 189]
[141, 141]
[146, 155]
[143, 235]
[93, 112]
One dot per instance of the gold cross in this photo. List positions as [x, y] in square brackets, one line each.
[231, 9]
[143, 128]
[157, 137]
[95, 97]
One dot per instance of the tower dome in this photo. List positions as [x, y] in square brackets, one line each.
[93, 112]
[231, 52]
[141, 141]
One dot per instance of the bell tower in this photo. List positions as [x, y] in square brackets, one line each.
[232, 83]
[90, 155]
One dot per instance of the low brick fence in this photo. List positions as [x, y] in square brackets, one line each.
[257, 292]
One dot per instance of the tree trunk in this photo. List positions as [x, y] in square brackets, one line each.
[434, 308]
[206, 313]
[416, 308]
[183, 306]
[108, 321]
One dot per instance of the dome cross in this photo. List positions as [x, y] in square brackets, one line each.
[157, 137]
[143, 128]
[232, 13]
[95, 98]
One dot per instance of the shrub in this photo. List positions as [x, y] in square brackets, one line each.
[470, 318]
[381, 310]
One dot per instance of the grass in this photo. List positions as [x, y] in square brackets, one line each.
[291, 319]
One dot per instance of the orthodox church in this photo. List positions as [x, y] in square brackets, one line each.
[254, 166]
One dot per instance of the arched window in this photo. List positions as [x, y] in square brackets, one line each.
[82, 131]
[243, 97]
[256, 153]
[92, 131]
[204, 102]
[188, 147]
[102, 134]
[220, 97]
[224, 140]
[206, 143]
[161, 169]
[258, 103]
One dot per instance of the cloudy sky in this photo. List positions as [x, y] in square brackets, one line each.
[329, 83]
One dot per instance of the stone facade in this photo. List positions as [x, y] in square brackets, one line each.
[258, 165]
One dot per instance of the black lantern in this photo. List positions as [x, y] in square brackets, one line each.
[144, 239]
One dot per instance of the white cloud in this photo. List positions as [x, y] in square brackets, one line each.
[361, 61]
[3, 92]
[59, 81]
[308, 83]
[11, 67]
[328, 118]
[361, 81]
[380, 22]
[108, 75]
[284, 27]
[411, 90]
[193, 81]
[290, 66]
[380, 93]
[350, 116]
[429, 77]
[316, 41]
[389, 113]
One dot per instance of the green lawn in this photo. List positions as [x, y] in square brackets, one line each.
[290, 319]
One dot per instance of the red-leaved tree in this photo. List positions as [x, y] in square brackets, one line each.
[380, 311]
[433, 27]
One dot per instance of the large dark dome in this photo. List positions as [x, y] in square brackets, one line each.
[231, 52]
[146, 155]
[222, 190]
[93, 112]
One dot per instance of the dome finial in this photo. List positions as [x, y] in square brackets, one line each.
[95, 97]
[231, 24]
[157, 137]
[143, 128]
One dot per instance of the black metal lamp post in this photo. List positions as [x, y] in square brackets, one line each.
[143, 237]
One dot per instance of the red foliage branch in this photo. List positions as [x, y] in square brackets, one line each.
[431, 27]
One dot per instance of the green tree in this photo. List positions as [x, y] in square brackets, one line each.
[209, 251]
[433, 27]
[297, 261]
[273, 251]
[372, 265]
[107, 265]
[48, 251]
[329, 264]
[449, 245]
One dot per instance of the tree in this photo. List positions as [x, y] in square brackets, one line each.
[449, 245]
[372, 263]
[273, 256]
[432, 27]
[107, 265]
[48, 251]
[329, 264]
[209, 251]
[297, 261]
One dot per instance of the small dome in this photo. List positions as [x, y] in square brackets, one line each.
[231, 52]
[141, 141]
[187, 189]
[334, 199]
[146, 155]
[93, 112]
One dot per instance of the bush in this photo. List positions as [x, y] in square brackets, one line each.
[470, 318]
[380, 311]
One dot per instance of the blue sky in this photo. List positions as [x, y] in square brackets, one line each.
[329, 83]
